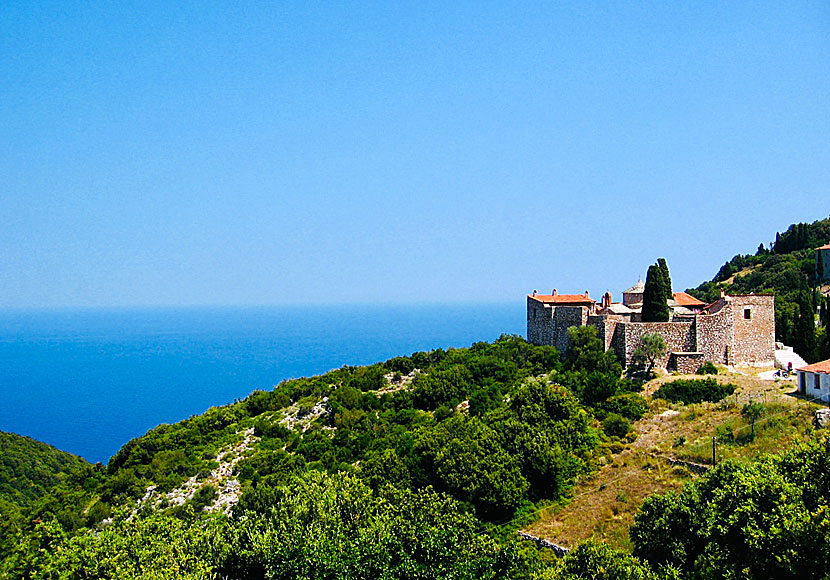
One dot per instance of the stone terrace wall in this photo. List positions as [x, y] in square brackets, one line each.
[754, 338]
[686, 362]
[679, 337]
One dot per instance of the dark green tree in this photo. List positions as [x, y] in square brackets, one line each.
[760, 520]
[664, 268]
[804, 334]
[655, 308]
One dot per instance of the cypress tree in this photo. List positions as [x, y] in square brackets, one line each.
[655, 308]
[664, 268]
[804, 339]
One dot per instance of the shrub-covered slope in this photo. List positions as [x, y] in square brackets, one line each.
[484, 431]
[29, 468]
[786, 268]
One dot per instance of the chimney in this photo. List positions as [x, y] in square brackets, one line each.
[554, 292]
[534, 292]
[586, 294]
[606, 300]
[722, 293]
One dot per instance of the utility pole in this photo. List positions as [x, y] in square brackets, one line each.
[713, 450]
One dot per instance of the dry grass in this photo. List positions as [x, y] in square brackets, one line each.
[603, 506]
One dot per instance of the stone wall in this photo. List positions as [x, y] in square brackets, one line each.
[739, 329]
[754, 337]
[606, 328]
[538, 322]
[548, 324]
[714, 335]
[823, 265]
[685, 362]
[563, 318]
[679, 337]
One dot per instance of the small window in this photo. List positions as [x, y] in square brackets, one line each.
[747, 313]
[818, 381]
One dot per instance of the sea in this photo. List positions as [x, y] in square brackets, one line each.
[88, 380]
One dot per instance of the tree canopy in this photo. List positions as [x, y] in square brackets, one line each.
[655, 307]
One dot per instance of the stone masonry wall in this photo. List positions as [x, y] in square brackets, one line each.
[606, 328]
[549, 325]
[823, 265]
[538, 323]
[740, 330]
[686, 362]
[754, 337]
[679, 337]
[714, 336]
[563, 318]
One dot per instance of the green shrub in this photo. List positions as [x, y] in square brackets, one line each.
[630, 405]
[690, 391]
[707, 368]
[616, 425]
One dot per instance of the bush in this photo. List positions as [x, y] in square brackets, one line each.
[707, 368]
[630, 405]
[690, 391]
[616, 425]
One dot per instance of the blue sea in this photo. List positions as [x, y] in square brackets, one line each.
[87, 381]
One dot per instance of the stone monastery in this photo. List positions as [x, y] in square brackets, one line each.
[735, 329]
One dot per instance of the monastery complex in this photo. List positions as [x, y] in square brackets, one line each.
[734, 330]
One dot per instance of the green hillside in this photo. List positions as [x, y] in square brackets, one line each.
[465, 439]
[425, 466]
[787, 268]
[29, 469]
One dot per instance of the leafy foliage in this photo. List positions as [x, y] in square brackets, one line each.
[494, 426]
[764, 520]
[595, 561]
[707, 368]
[29, 468]
[788, 270]
[690, 391]
[652, 347]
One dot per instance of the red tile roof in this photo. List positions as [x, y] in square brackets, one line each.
[819, 367]
[562, 298]
[687, 300]
[824, 247]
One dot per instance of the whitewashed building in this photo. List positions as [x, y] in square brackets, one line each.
[814, 380]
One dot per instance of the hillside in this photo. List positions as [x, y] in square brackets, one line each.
[30, 468]
[786, 268]
[479, 434]
[426, 466]
[651, 460]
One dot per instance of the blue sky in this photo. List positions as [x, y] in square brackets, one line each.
[207, 153]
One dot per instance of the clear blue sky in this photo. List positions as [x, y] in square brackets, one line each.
[172, 153]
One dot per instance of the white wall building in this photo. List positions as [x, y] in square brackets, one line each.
[814, 380]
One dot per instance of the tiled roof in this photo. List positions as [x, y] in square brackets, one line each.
[636, 289]
[618, 308]
[824, 247]
[819, 367]
[687, 300]
[562, 298]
